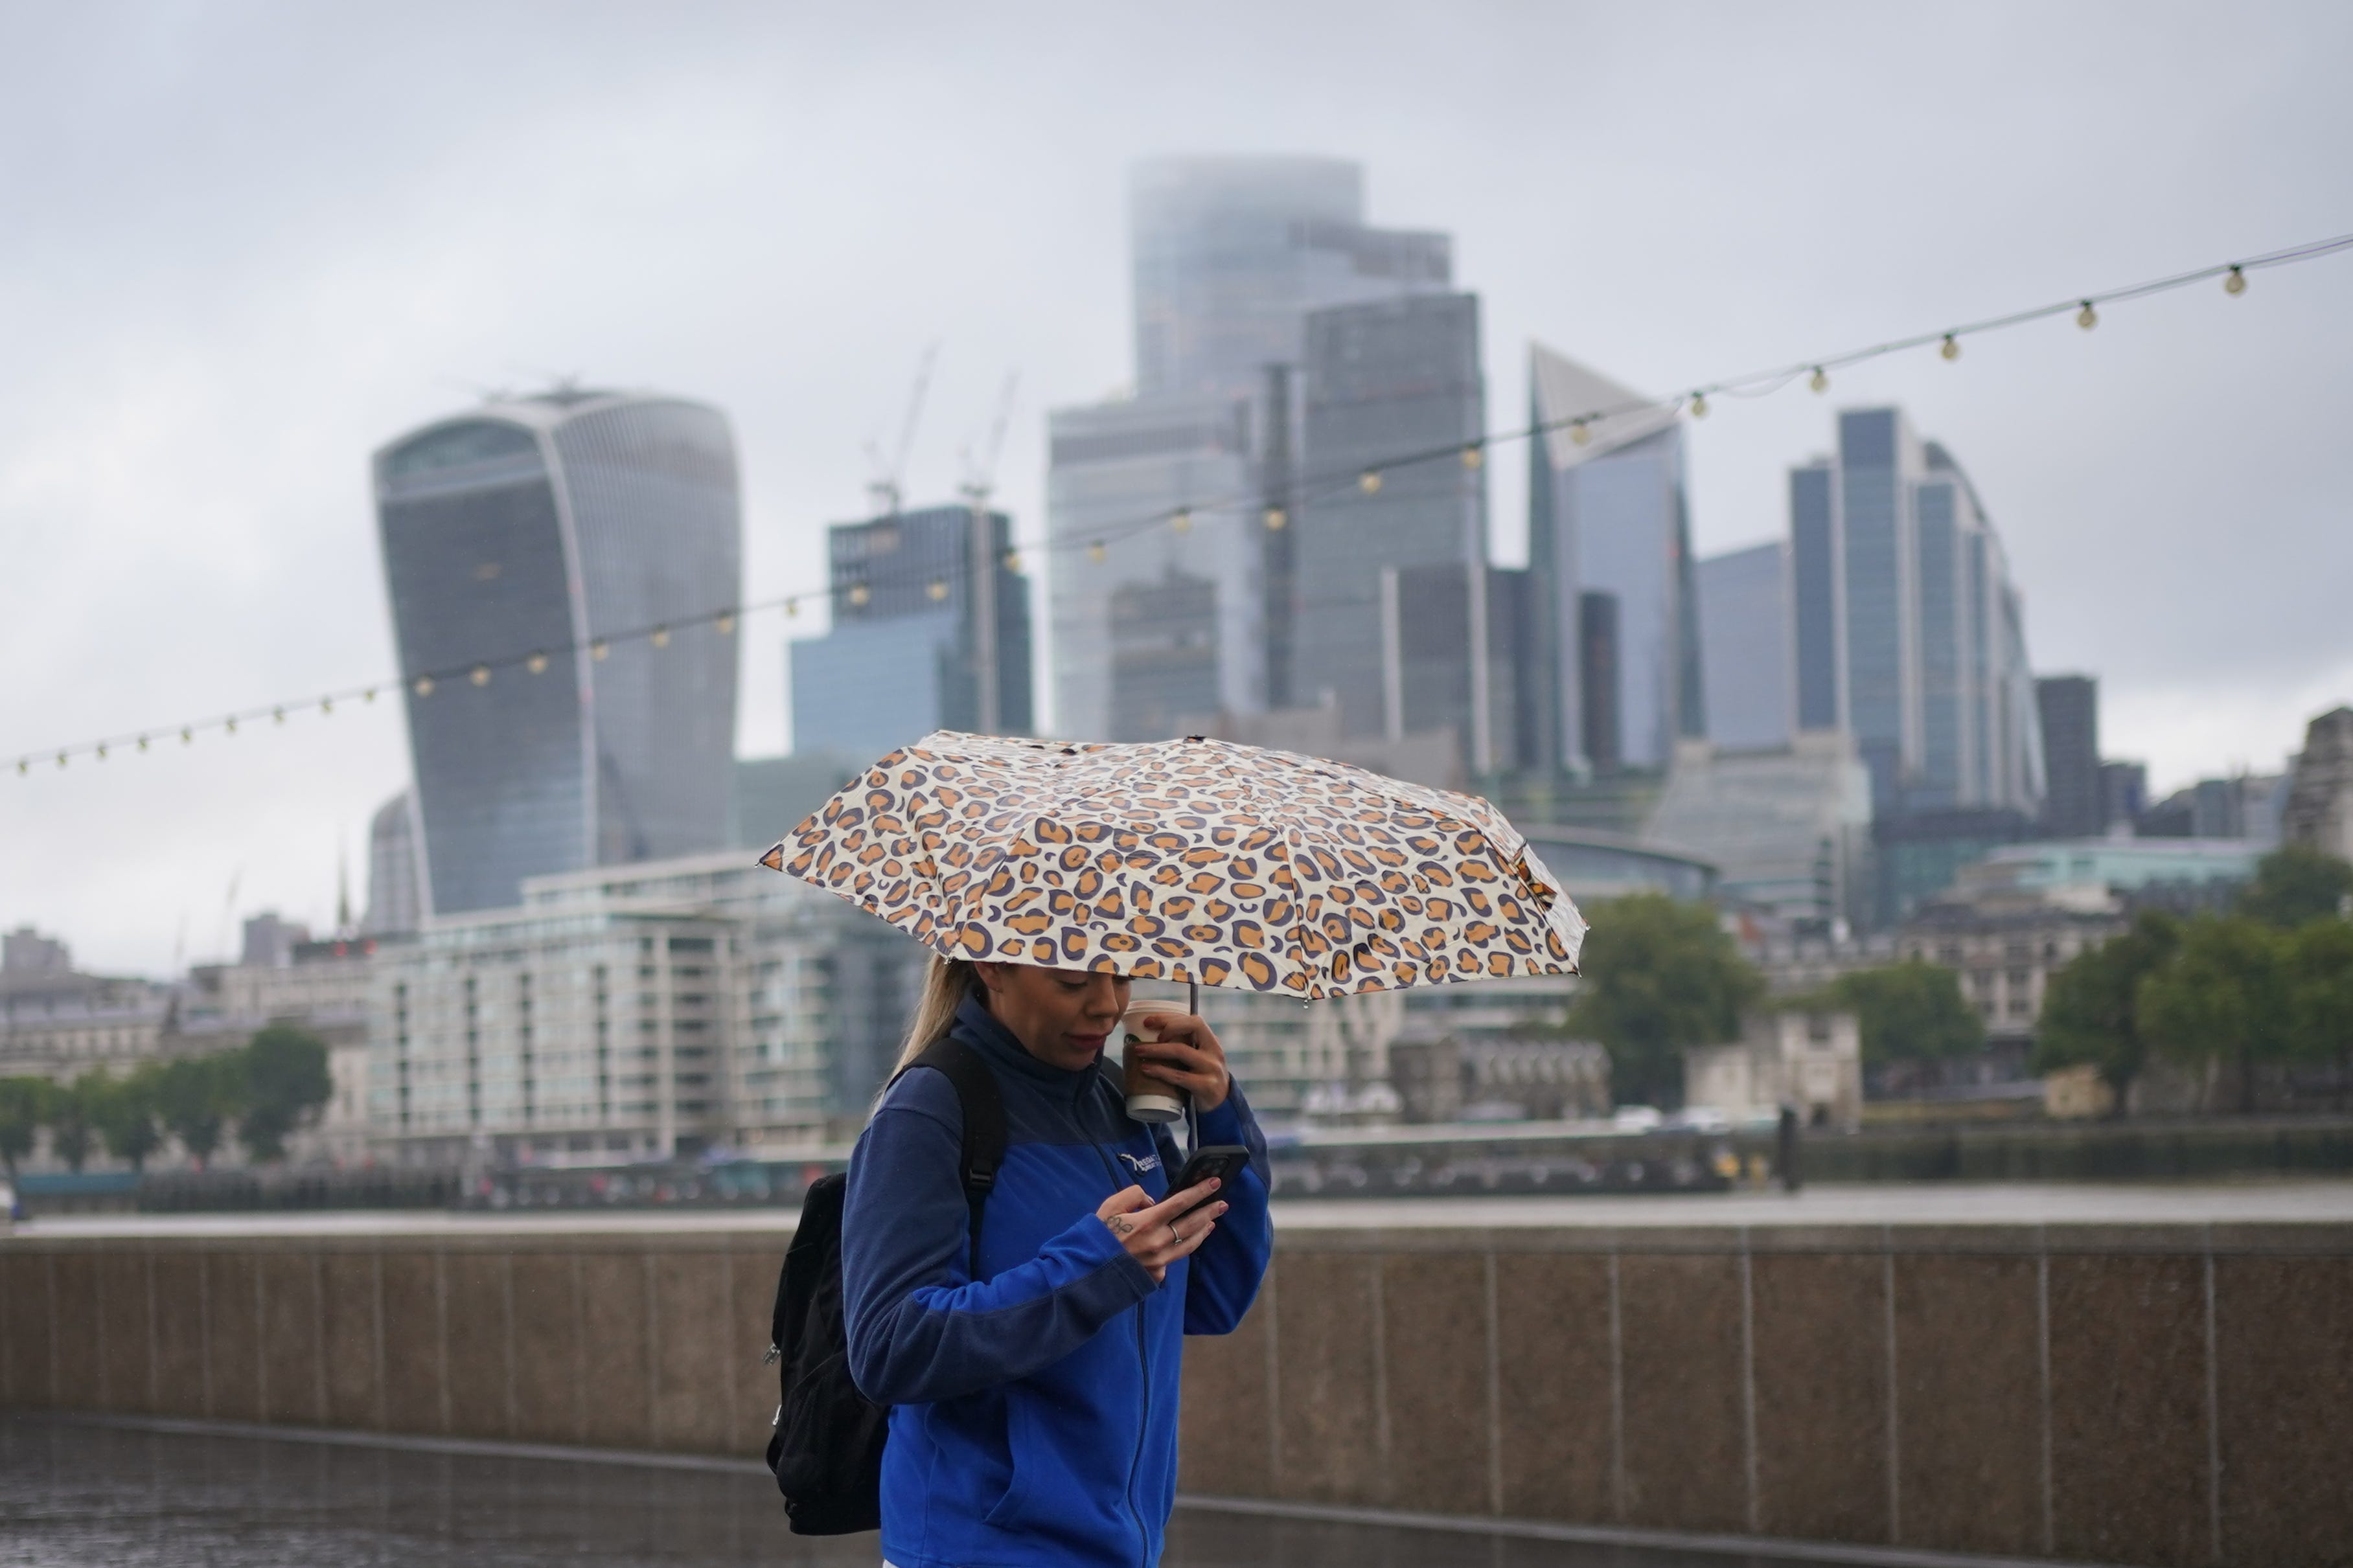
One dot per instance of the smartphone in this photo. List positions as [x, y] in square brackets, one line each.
[1223, 1160]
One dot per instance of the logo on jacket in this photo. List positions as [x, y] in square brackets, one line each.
[1140, 1164]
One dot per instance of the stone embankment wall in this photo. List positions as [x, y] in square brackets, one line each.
[2158, 1394]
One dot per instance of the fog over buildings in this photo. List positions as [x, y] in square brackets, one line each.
[262, 241]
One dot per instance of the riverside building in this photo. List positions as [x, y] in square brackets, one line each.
[650, 1010]
[539, 552]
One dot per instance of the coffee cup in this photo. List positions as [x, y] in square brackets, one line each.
[1149, 1098]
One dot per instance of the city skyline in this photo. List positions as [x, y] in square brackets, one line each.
[187, 471]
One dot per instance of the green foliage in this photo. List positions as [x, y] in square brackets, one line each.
[284, 1078]
[2091, 1009]
[2223, 997]
[72, 1118]
[194, 1096]
[2295, 884]
[1912, 1011]
[1660, 976]
[24, 1107]
[125, 1111]
[2320, 997]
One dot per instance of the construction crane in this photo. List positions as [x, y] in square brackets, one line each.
[885, 490]
[980, 478]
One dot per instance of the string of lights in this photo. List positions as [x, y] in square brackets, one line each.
[1275, 511]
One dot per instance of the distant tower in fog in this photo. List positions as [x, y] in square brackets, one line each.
[548, 522]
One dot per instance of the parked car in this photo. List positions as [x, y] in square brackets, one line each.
[1637, 1119]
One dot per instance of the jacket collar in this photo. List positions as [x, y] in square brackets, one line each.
[979, 1027]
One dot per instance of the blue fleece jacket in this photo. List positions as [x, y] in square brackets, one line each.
[1033, 1413]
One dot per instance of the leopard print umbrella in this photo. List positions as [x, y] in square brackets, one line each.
[1186, 861]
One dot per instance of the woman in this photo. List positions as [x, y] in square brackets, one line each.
[1033, 1413]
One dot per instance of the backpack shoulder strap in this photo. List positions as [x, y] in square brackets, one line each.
[968, 1072]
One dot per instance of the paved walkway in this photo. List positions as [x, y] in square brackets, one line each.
[1918, 1204]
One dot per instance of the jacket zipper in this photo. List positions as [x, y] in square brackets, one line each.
[1143, 1360]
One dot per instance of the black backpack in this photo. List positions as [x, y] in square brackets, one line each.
[827, 1451]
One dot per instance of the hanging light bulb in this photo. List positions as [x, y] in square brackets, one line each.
[937, 590]
[424, 687]
[725, 625]
[1952, 349]
[1820, 381]
[187, 737]
[599, 649]
[369, 695]
[1474, 456]
[1369, 482]
[143, 742]
[2087, 318]
[1013, 561]
[480, 675]
[231, 725]
[662, 637]
[1095, 550]
[100, 753]
[2236, 283]
[860, 592]
[1183, 522]
[792, 609]
[61, 759]
[536, 664]
[277, 715]
[1275, 519]
[326, 711]
[1578, 433]
[1699, 404]
[23, 767]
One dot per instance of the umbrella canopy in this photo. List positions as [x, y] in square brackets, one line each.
[1186, 861]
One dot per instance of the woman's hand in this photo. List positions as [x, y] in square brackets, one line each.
[1157, 1235]
[1188, 1054]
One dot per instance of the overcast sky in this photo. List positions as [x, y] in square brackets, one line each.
[242, 245]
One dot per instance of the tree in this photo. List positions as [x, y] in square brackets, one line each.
[24, 1106]
[71, 1122]
[2091, 1009]
[1912, 1011]
[194, 1096]
[1659, 977]
[285, 1078]
[2297, 883]
[2320, 997]
[124, 1110]
[2222, 998]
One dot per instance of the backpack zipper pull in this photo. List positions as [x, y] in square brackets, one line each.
[770, 1357]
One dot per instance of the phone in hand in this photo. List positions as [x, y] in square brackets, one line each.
[1223, 1160]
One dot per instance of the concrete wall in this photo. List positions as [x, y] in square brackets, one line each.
[2158, 1394]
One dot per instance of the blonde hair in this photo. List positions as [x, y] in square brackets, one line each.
[946, 982]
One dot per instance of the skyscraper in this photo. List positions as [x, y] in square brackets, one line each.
[1394, 377]
[546, 524]
[1613, 625]
[394, 901]
[2069, 707]
[1909, 634]
[908, 644]
[1743, 620]
[1232, 255]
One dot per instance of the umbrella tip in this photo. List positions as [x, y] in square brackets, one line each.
[774, 859]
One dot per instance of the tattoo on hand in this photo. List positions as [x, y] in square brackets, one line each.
[1120, 1226]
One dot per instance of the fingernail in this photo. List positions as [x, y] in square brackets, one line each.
[1222, 1208]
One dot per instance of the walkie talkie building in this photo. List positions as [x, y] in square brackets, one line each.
[527, 543]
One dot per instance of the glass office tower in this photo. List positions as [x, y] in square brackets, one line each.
[907, 652]
[1384, 379]
[1231, 254]
[1908, 632]
[1609, 547]
[1744, 614]
[544, 524]
[1230, 257]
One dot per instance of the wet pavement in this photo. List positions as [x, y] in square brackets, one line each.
[77, 1495]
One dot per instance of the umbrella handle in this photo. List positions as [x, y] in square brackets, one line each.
[1192, 1114]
